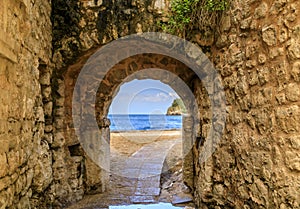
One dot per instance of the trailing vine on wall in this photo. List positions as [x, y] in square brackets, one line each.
[188, 15]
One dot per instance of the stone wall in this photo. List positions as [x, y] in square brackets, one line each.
[81, 25]
[256, 165]
[79, 29]
[25, 52]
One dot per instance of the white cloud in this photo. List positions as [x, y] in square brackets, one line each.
[142, 97]
[158, 97]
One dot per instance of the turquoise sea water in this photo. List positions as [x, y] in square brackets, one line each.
[144, 122]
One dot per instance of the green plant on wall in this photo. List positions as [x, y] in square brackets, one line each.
[193, 14]
[181, 10]
[216, 5]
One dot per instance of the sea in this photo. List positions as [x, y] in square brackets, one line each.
[144, 122]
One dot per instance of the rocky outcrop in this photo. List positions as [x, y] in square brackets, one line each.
[177, 108]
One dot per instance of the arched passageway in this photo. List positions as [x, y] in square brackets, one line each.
[143, 184]
[88, 97]
[146, 66]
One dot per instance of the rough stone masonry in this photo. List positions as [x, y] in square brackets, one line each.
[43, 46]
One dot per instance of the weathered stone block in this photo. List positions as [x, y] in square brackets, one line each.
[59, 124]
[58, 140]
[5, 182]
[3, 199]
[226, 23]
[3, 165]
[269, 35]
[259, 192]
[236, 54]
[20, 184]
[231, 81]
[241, 88]
[48, 128]
[262, 58]
[283, 35]
[24, 203]
[292, 160]
[276, 53]
[45, 78]
[281, 99]
[261, 11]
[296, 71]
[263, 75]
[293, 92]
[47, 93]
[263, 121]
[60, 102]
[287, 118]
[40, 114]
[13, 161]
[253, 78]
[294, 50]
[5, 144]
[48, 108]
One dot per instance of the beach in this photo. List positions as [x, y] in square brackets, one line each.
[128, 142]
[125, 144]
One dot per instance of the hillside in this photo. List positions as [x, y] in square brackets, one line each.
[177, 108]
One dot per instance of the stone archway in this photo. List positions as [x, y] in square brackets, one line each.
[86, 107]
[175, 74]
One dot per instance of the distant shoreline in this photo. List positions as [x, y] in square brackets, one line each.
[140, 131]
[162, 114]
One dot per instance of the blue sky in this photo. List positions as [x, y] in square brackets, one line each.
[143, 97]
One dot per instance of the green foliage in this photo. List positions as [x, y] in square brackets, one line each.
[216, 5]
[178, 103]
[177, 106]
[193, 14]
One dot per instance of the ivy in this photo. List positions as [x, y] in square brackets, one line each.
[181, 10]
[193, 14]
[216, 5]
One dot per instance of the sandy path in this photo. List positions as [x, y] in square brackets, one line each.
[125, 145]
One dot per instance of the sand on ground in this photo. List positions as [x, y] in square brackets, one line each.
[124, 144]
[127, 143]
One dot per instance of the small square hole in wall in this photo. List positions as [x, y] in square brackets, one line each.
[76, 150]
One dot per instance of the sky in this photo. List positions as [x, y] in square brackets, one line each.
[143, 97]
